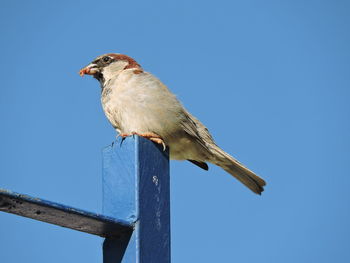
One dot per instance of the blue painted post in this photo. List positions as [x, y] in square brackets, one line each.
[136, 189]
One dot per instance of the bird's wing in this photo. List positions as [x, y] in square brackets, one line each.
[197, 130]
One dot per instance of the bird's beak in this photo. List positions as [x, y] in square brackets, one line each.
[90, 69]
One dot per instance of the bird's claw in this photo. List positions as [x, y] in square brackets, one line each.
[151, 136]
[159, 141]
[123, 135]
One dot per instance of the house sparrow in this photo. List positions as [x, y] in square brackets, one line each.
[137, 103]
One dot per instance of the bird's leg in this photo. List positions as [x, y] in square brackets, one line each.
[124, 135]
[153, 137]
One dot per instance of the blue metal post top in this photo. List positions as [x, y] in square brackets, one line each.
[139, 169]
[62, 215]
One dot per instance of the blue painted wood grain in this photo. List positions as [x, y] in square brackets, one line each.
[136, 188]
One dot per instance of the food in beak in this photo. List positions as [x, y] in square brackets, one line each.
[88, 70]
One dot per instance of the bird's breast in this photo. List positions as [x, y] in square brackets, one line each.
[141, 103]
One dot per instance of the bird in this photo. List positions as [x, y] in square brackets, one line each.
[137, 103]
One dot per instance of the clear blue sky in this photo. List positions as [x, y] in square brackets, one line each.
[270, 79]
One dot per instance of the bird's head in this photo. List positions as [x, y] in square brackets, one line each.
[109, 65]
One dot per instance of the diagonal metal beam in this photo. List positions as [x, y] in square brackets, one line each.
[62, 215]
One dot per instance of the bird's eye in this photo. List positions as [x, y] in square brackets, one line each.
[106, 59]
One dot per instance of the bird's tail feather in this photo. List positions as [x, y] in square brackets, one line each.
[238, 170]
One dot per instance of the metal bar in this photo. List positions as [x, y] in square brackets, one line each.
[139, 169]
[62, 215]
